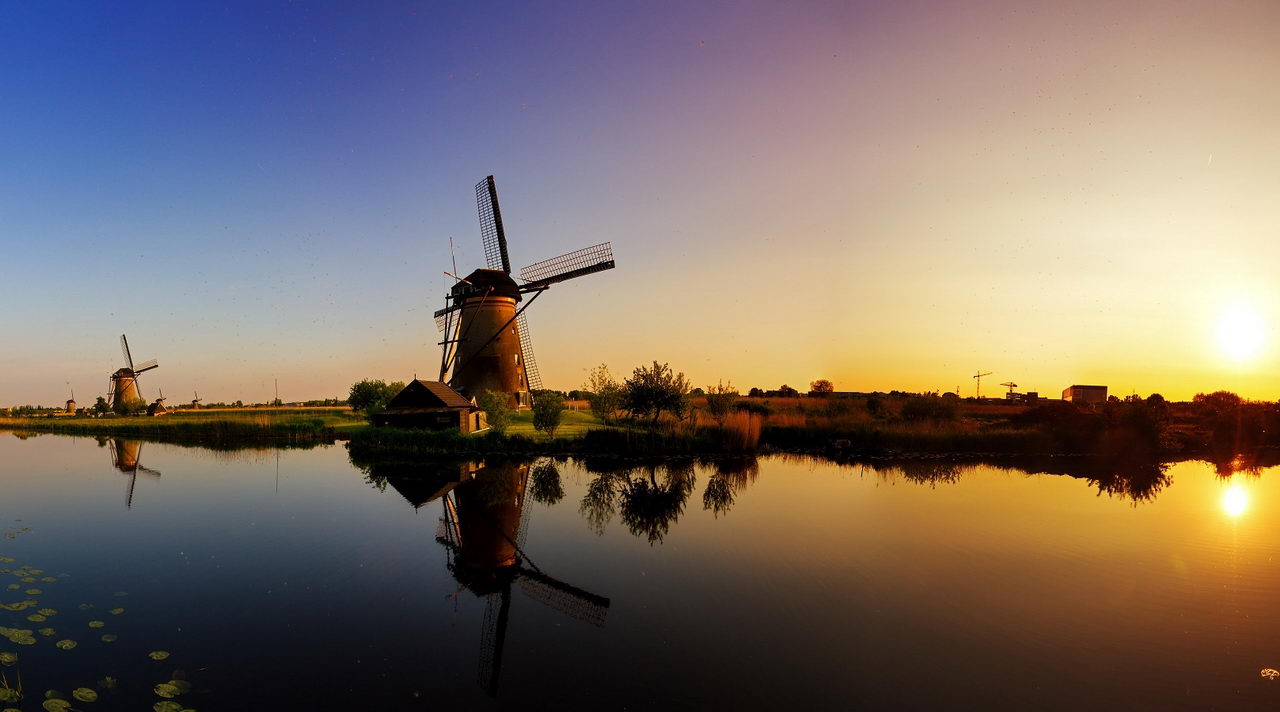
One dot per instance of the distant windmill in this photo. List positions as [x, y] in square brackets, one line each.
[486, 339]
[71, 402]
[195, 402]
[977, 393]
[124, 382]
[1011, 385]
[158, 408]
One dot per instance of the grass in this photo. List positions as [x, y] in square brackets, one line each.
[217, 428]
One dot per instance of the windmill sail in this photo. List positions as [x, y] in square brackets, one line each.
[491, 232]
[124, 346]
[578, 263]
[532, 377]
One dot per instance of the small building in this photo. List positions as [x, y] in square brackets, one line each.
[1088, 395]
[431, 405]
[157, 408]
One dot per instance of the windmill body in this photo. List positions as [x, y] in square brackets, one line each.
[486, 343]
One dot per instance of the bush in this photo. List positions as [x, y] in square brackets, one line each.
[757, 408]
[497, 409]
[603, 393]
[547, 411]
[929, 408]
[370, 396]
[653, 390]
[720, 400]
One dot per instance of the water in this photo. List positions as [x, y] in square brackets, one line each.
[295, 580]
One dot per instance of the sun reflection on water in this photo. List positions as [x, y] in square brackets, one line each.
[1235, 501]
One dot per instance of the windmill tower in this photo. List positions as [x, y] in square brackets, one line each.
[486, 339]
[71, 402]
[124, 457]
[158, 408]
[195, 402]
[124, 382]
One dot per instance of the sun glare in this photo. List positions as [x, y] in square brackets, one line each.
[1235, 501]
[1240, 333]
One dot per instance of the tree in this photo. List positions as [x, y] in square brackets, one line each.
[370, 396]
[497, 409]
[100, 406]
[755, 393]
[547, 411]
[653, 390]
[720, 400]
[821, 387]
[788, 392]
[603, 393]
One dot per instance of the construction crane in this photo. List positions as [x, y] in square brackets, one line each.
[1011, 385]
[977, 389]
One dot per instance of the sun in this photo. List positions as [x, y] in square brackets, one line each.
[1241, 333]
[1235, 501]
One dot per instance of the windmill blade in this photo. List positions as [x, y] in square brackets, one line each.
[442, 316]
[124, 346]
[532, 378]
[492, 234]
[147, 366]
[568, 599]
[578, 263]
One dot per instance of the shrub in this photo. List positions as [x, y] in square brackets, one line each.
[603, 393]
[547, 411]
[497, 409]
[653, 390]
[720, 400]
[370, 396]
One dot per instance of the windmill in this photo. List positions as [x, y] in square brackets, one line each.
[124, 382]
[195, 402]
[71, 402]
[486, 338]
[977, 389]
[124, 457]
[158, 408]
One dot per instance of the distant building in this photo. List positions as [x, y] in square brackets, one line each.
[431, 405]
[1085, 394]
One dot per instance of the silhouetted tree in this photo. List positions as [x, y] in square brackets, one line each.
[755, 393]
[821, 387]
[497, 409]
[548, 408]
[786, 391]
[603, 393]
[720, 400]
[651, 391]
[368, 396]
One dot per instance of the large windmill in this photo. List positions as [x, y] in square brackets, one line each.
[486, 339]
[124, 382]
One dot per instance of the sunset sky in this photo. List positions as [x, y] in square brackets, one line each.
[888, 195]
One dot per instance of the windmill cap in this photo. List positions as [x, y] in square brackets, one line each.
[483, 280]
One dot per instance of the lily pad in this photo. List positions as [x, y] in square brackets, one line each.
[56, 705]
[158, 654]
[96, 624]
[49, 579]
[167, 706]
[109, 638]
[167, 691]
[8, 694]
[8, 658]
[36, 618]
[33, 592]
[14, 586]
[85, 606]
[28, 579]
[47, 612]
[46, 632]
[65, 644]
[116, 611]
[84, 694]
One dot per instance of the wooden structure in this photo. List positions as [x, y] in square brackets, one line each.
[431, 405]
[1087, 395]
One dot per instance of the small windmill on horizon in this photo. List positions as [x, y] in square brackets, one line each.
[486, 342]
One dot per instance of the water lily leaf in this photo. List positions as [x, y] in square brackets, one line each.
[182, 686]
[8, 694]
[47, 632]
[56, 705]
[167, 706]
[96, 624]
[117, 611]
[8, 658]
[6, 559]
[14, 586]
[65, 644]
[166, 690]
[33, 592]
[47, 612]
[84, 694]
[36, 618]
[109, 638]
[108, 683]
[85, 606]
[35, 572]
[158, 654]
[28, 579]
[49, 579]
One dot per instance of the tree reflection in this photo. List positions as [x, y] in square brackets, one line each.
[546, 487]
[649, 497]
[730, 477]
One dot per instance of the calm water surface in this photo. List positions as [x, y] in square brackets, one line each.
[297, 580]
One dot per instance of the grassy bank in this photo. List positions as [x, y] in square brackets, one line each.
[213, 428]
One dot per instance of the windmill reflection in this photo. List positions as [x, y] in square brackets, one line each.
[124, 457]
[485, 517]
